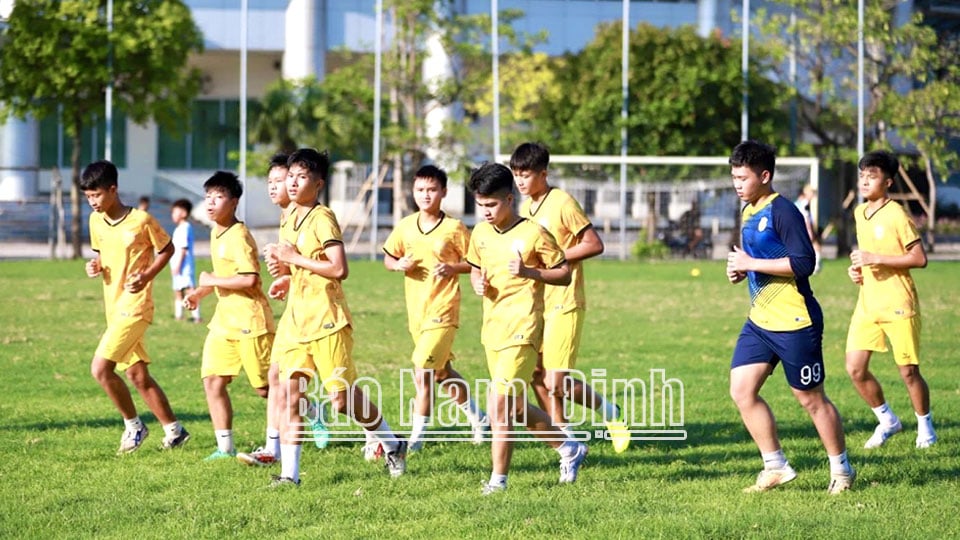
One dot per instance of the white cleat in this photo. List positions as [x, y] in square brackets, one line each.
[882, 433]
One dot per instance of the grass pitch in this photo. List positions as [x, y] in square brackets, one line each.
[59, 432]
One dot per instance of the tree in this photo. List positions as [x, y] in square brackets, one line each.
[59, 54]
[685, 96]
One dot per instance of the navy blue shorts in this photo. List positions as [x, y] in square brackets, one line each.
[800, 350]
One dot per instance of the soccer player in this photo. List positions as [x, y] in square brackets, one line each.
[182, 267]
[512, 259]
[559, 213]
[429, 247]
[321, 330]
[888, 247]
[269, 453]
[804, 199]
[785, 322]
[125, 240]
[241, 331]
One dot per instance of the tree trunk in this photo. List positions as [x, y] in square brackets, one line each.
[75, 209]
[932, 218]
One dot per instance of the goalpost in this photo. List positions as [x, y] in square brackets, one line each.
[660, 189]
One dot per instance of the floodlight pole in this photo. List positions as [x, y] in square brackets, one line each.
[495, 52]
[242, 166]
[108, 105]
[625, 93]
[744, 71]
[375, 180]
[860, 147]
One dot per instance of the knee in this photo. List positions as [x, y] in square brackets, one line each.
[263, 391]
[100, 371]
[139, 378]
[910, 375]
[857, 371]
[273, 375]
[741, 396]
[338, 400]
[440, 375]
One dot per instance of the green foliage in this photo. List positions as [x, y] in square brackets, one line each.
[644, 250]
[59, 431]
[685, 96]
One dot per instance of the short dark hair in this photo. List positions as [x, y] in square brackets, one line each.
[311, 159]
[99, 174]
[491, 179]
[226, 182]
[277, 160]
[756, 155]
[530, 156]
[883, 160]
[184, 204]
[434, 173]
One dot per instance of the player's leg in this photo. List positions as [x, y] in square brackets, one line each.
[297, 376]
[455, 386]
[174, 435]
[905, 341]
[423, 405]
[178, 295]
[103, 371]
[863, 338]
[221, 414]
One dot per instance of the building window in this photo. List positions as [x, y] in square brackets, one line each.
[211, 139]
[56, 147]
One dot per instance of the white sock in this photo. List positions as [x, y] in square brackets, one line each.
[839, 464]
[290, 461]
[568, 448]
[195, 314]
[369, 436]
[224, 440]
[133, 424]
[774, 460]
[885, 415]
[566, 431]
[498, 479]
[473, 411]
[172, 429]
[609, 410]
[925, 425]
[419, 428]
[385, 435]
[273, 442]
[177, 309]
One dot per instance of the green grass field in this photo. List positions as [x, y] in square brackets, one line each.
[59, 432]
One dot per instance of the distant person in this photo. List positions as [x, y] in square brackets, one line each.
[125, 240]
[144, 204]
[182, 265]
[805, 201]
[242, 328]
[887, 306]
[512, 259]
[785, 322]
[691, 229]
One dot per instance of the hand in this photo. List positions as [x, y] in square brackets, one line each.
[856, 274]
[286, 252]
[862, 258]
[442, 270]
[191, 300]
[205, 279]
[516, 267]
[93, 268]
[480, 284]
[274, 267]
[405, 264]
[279, 288]
[734, 273]
[135, 282]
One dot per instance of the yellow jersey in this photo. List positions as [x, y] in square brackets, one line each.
[887, 294]
[241, 313]
[562, 215]
[316, 306]
[512, 306]
[431, 302]
[126, 247]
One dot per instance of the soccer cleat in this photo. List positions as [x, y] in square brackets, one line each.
[396, 461]
[372, 450]
[570, 466]
[491, 489]
[283, 482]
[321, 435]
[259, 457]
[926, 442]
[177, 441]
[841, 482]
[219, 454]
[771, 478]
[882, 433]
[480, 431]
[132, 439]
[619, 435]
[415, 445]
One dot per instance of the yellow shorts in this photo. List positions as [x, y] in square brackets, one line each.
[511, 369]
[561, 340]
[904, 336]
[122, 342]
[328, 358]
[225, 357]
[434, 348]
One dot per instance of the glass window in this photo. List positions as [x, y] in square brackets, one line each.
[56, 146]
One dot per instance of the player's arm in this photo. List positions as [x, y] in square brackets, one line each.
[232, 283]
[915, 257]
[558, 275]
[479, 281]
[138, 280]
[588, 245]
[394, 264]
[93, 267]
[274, 267]
[192, 299]
[335, 267]
[739, 261]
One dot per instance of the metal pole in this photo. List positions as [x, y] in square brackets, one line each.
[495, 51]
[108, 114]
[625, 94]
[242, 166]
[860, 148]
[744, 65]
[375, 170]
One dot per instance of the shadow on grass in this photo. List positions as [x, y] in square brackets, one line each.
[110, 422]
